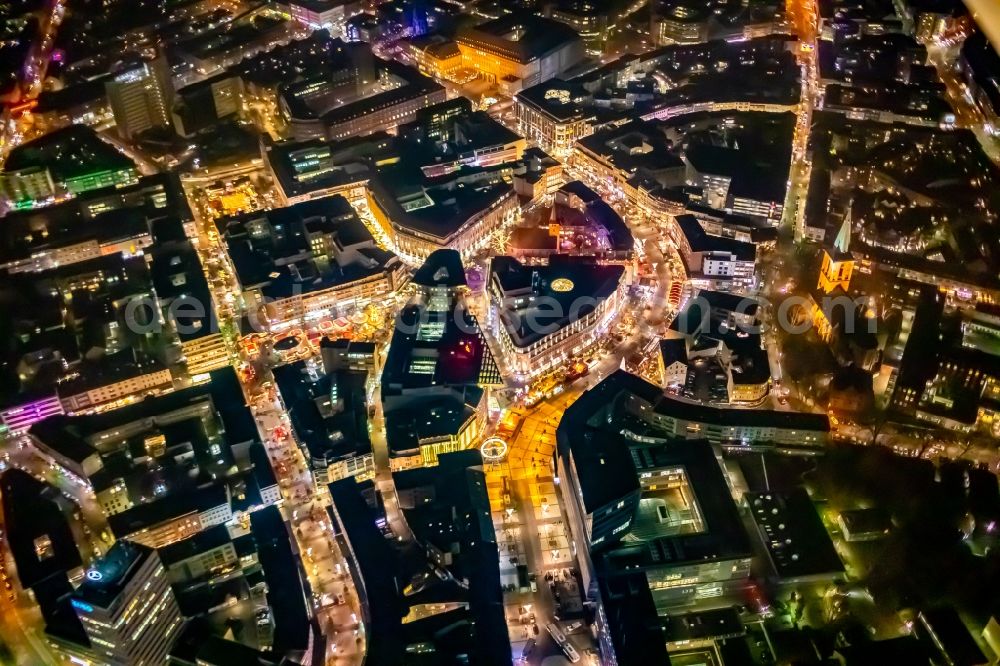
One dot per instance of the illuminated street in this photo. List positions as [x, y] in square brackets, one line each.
[414, 333]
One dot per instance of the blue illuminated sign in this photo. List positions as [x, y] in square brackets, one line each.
[86, 608]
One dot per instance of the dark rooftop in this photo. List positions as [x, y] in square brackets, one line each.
[374, 561]
[793, 534]
[703, 242]
[566, 281]
[443, 268]
[275, 251]
[286, 590]
[68, 153]
[107, 577]
[329, 412]
[520, 37]
[31, 513]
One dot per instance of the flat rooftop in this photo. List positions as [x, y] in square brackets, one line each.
[519, 37]
[68, 153]
[793, 534]
[573, 284]
[329, 412]
[107, 577]
[307, 247]
[104, 215]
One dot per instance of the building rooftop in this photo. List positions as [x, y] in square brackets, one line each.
[430, 417]
[306, 166]
[151, 514]
[520, 37]
[68, 327]
[458, 510]
[946, 631]
[636, 145]
[107, 577]
[903, 650]
[68, 153]
[600, 216]
[599, 433]
[75, 437]
[375, 566]
[563, 101]
[201, 542]
[539, 300]
[753, 174]
[306, 247]
[443, 268]
[178, 276]
[36, 530]
[699, 241]
[286, 589]
[437, 207]
[635, 628]
[106, 215]
[703, 625]
[793, 534]
[437, 342]
[329, 412]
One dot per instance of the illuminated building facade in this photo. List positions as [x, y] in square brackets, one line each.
[308, 260]
[646, 503]
[459, 211]
[329, 414]
[141, 95]
[548, 115]
[159, 380]
[355, 95]
[518, 51]
[127, 607]
[436, 56]
[66, 162]
[838, 263]
[544, 315]
[715, 262]
[438, 371]
[329, 15]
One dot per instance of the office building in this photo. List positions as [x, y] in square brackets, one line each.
[460, 210]
[61, 164]
[329, 414]
[652, 516]
[298, 263]
[438, 371]
[316, 168]
[549, 114]
[355, 93]
[141, 96]
[713, 262]
[330, 15]
[543, 316]
[204, 104]
[168, 467]
[518, 51]
[127, 608]
[713, 353]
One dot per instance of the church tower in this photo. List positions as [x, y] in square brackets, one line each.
[838, 264]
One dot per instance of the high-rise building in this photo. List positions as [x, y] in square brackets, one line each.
[140, 96]
[127, 608]
[204, 104]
